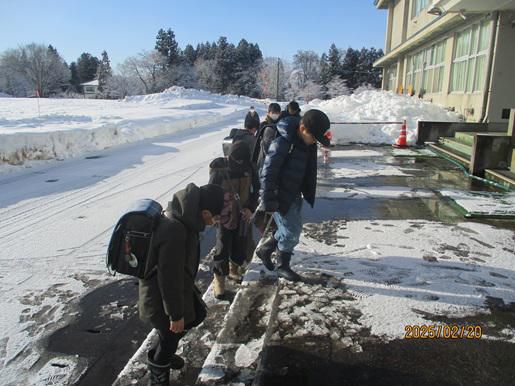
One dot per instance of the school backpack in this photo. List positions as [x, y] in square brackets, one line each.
[237, 135]
[262, 143]
[131, 242]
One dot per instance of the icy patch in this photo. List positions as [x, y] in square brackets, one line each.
[247, 354]
[354, 153]
[375, 192]
[363, 168]
[483, 203]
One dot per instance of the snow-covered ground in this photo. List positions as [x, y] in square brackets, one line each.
[43, 129]
[56, 217]
[47, 129]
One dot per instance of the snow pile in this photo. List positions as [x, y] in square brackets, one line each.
[378, 106]
[32, 129]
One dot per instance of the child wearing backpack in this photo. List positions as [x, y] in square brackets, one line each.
[236, 175]
[288, 175]
[168, 298]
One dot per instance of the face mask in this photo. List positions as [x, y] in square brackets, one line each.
[274, 117]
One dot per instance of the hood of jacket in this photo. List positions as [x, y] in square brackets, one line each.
[185, 207]
[288, 128]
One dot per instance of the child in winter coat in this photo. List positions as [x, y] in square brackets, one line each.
[169, 299]
[239, 180]
[289, 174]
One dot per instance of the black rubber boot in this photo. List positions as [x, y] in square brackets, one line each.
[159, 374]
[265, 250]
[283, 267]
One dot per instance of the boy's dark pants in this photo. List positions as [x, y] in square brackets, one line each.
[166, 346]
[234, 247]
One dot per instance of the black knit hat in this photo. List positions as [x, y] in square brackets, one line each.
[317, 123]
[212, 198]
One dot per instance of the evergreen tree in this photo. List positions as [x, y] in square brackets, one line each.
[225, 59]
[104, 72]
[334, 61]
[189, 54]
[167, 46]
[350, 67]
[325, 75]
[74, 77]
[87, 67]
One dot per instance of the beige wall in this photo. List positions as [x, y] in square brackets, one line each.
[503, 80]
[418, 22]
[398, 22]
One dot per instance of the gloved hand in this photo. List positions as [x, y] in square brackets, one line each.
[267, 207]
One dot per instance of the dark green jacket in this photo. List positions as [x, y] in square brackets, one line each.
[168, 295]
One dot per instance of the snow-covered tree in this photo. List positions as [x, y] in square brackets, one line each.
[308, 62]
[145, 67]
[33, 68]
[120, 86]
[336, 87]
[273, 79]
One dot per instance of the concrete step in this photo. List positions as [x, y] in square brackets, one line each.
[233, 358]
[503, 177]
[463, 159]
[464, 137]
[456, 145]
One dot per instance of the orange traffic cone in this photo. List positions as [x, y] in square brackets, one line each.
[401, 141]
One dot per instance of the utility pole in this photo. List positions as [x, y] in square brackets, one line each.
[277, 80]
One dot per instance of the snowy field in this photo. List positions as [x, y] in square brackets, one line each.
[65, 128]
[69, 172]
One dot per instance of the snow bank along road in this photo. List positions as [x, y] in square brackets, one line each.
[55, 225]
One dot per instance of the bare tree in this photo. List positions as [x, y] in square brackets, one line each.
[309, 63]
[273, 79]
[147, 68]
[38, 66]
[119, 86]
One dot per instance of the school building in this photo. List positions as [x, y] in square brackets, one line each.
[456, 53]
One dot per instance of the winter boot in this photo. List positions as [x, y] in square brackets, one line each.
[265, 250]
[283, 266]
[159, 374]
[234, 272]
[219, 286]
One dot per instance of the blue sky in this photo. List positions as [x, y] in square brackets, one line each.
[126, 27]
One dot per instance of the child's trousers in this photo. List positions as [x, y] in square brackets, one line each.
[289, 226]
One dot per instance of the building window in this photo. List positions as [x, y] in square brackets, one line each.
[418, 6]
[469, 61]
[89, 89]
[391, 78]
[425, 70]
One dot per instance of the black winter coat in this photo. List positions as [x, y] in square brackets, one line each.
[169, 295]
[290, 168]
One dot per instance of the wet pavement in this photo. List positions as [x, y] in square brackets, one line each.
[108, 342]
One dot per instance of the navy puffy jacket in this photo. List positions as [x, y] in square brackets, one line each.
[290, 168]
